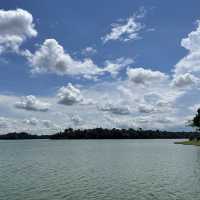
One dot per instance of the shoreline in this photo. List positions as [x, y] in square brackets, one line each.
[192, 142]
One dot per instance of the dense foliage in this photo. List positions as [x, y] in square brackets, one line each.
[100, 133]
[21, 136]
[195, 122]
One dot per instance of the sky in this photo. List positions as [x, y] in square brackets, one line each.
[111, 64]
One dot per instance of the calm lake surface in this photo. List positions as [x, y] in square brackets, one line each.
[99, 169]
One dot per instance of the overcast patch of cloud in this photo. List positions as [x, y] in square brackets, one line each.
[146, 108]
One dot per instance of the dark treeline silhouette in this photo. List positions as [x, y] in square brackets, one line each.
[22, 136]
[100, 133]
[195, 123]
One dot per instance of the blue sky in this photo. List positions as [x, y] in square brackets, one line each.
[127, 50]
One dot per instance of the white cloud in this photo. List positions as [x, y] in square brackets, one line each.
[15, 27]
[158, 121]
[184, 80]
[192, 42]
[33, 121]
[191, 62]
[51, 58]
[117, 109]
[69, 95]
[145, 76]
[146, 98]
[150, 121]
[31, 103]
[89, 51]
[124, 31]
[187, 70]
[114, 67]
[122, 109]
[76, 119]
[31, 125]
[145, 108]
[122, 122]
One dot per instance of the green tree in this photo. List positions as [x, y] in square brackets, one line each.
[195, 122]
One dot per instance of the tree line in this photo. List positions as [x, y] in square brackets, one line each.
[101, 133]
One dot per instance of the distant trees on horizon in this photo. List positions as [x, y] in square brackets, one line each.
[101, 133]
[22, 136]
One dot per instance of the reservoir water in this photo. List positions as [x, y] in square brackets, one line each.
[99, 170]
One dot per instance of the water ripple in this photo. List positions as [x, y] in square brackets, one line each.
[105, 169]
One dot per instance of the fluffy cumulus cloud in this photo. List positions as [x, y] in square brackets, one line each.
[151, 108]
[140, 98]
[31, 103]
[15, 27]
[191, 62]
[145, 76]
[184, 80]
[69, 95]
[124, 30]
[51, 58]
[187, 70]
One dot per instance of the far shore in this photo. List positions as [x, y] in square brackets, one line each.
[189, 142]
[100, 133]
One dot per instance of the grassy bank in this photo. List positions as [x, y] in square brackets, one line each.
[192, 142]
